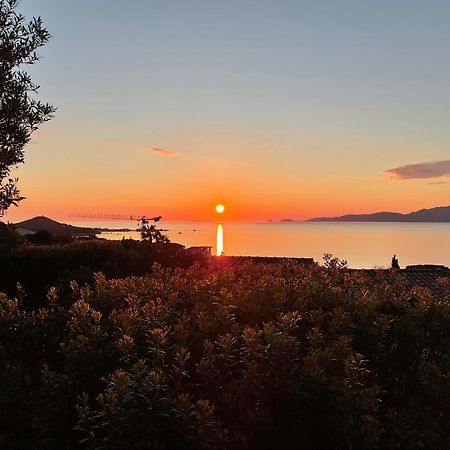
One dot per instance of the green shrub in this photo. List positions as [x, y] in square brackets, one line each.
[250, 357]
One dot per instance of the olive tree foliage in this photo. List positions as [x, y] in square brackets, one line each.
[20, 112]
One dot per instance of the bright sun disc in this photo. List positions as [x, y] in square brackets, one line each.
[220, 209]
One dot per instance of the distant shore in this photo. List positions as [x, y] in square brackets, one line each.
[433, 215]
[112, 230]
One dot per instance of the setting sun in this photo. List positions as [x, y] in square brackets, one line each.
[220, 209]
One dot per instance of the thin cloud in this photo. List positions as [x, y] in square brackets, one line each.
[432, 183]
[163, 151]
[434, 169]
[39, 133]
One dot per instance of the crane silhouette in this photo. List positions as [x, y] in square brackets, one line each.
[143, 219]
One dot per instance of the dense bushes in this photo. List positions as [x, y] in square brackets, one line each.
[38, 267]
[257, 357]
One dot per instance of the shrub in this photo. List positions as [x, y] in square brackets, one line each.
[39, 267]
[248, 357]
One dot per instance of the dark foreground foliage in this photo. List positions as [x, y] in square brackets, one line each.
[39, 267]
[254, 357]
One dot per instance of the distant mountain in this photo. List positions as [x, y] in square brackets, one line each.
[45, 224]
[440, 214]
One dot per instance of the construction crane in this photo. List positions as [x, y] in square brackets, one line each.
[143, 219]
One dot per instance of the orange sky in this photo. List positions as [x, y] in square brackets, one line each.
[253, 179]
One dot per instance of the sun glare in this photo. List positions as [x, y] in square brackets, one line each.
[220, 209]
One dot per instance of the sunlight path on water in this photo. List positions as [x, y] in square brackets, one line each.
[219, 241]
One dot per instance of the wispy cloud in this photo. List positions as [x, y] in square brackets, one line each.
[434, 169]
[432, 183]
[37, 134]
[163, 151]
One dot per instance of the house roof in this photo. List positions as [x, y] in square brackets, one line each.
[200, 247]
[263, 259]
[25, 231]
[426, 276]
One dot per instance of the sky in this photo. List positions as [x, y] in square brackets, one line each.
[277, 109]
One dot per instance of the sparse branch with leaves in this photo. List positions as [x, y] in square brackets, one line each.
[20, 113]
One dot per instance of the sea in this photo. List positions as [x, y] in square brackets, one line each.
[361, 244]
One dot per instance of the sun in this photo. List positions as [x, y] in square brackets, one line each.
[220, 209]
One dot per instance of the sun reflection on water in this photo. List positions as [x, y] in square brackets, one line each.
[219, 240]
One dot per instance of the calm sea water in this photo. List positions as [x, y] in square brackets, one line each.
[364, 245]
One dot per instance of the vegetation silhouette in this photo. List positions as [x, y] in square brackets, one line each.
[152, 234]
[394, 263]
[251, 356]
[42, 260]
[20, 113]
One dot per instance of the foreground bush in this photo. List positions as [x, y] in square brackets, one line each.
[39, 267]
[255, 357]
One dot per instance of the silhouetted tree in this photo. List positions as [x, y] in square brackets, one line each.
[9, 239]
[20, 114]
[394, 263]
[152, 234]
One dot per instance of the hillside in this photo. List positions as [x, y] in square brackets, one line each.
[439, 214]
[42, 223]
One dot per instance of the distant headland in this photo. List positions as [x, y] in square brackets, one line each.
[439, 214]
[42, 223]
